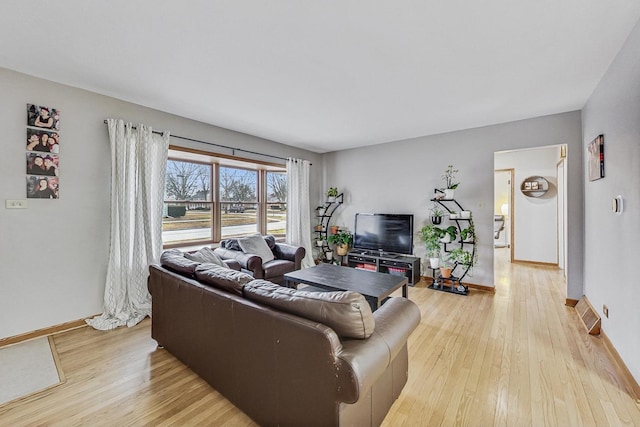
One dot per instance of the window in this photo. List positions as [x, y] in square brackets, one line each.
[238, 201]
[188, 210]
[276, 203]
[210, 198]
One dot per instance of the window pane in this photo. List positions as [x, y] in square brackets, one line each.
[238, 196]
[276, 203]
[187, 214]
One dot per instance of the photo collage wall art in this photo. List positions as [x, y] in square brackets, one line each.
[43, 147]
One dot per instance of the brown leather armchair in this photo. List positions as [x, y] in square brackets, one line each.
[287, 258]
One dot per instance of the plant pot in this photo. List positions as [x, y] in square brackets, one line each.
[436, 220]
[454, 215]
[449, 193]
[446, 239]
[331, 199]
[320, 243]
[342, 249]
[319, 227]
[434, 262]
[329, 256]
[445, 272]
[334, 229]
[465, 214]
[321, 212]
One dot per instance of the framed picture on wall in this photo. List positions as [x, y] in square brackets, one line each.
[595, 155]
[42, 149]
[43, 117]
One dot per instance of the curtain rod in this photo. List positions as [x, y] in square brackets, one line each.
[219, 145]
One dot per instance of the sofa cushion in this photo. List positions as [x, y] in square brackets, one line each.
[204, 255]
[222, 277]
[174, 260]
[346, 312]
[256, 244]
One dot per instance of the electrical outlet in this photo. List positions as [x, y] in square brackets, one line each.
[16, 204]
[605, 310]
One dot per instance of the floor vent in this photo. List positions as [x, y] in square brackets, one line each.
[588, 315]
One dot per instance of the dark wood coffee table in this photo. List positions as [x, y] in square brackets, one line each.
[374, 286]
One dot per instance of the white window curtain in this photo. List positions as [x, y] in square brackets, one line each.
[138, 165]
[298, 216]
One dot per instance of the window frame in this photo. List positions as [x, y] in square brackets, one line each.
[216, 160]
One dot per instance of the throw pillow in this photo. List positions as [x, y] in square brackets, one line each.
[271, 241]
[231, 244]
[347, 313]
[223, 278]
[205, 255]
[256, 245]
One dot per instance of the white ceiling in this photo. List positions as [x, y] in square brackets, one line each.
[326, 74]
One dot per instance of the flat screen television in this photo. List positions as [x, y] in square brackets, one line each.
[384, 233]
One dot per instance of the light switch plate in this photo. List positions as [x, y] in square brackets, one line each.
[16, 204]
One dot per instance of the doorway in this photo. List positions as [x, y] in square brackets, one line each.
[534, 229]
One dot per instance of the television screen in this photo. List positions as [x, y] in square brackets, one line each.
[384, 232]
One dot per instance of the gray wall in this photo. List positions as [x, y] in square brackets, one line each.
[400, 177]
[54, 254]
[611, 241]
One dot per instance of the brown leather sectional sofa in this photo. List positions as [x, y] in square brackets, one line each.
[280, 368]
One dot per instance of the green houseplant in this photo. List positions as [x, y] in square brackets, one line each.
[436, 214]
[446, 267]
[342, 239]
[467, 234]
[430, 235]
[332, 193]
[449, 234]
[462, 257]
[449, 176]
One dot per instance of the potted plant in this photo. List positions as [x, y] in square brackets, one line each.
[332, 193]
[446, 267]
[449, 234]
[461, 256]
[334, 229]
[436, 214]
[320, 242]
[430, 235]
[328, 255]
[465, 214]
[467, 234]
[449, 177]
[342, 239]
[454, 215]
[319, 227]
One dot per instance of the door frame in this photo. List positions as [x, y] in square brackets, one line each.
[511, 172]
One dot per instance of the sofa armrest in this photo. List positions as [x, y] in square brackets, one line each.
[290, 253]
[249, 262]
[395, 321]
[369, 358]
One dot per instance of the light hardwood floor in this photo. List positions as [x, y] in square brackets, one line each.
[518, 357]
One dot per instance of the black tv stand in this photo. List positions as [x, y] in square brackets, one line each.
[386, 262]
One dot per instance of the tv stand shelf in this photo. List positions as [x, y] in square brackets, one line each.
[402, 265]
